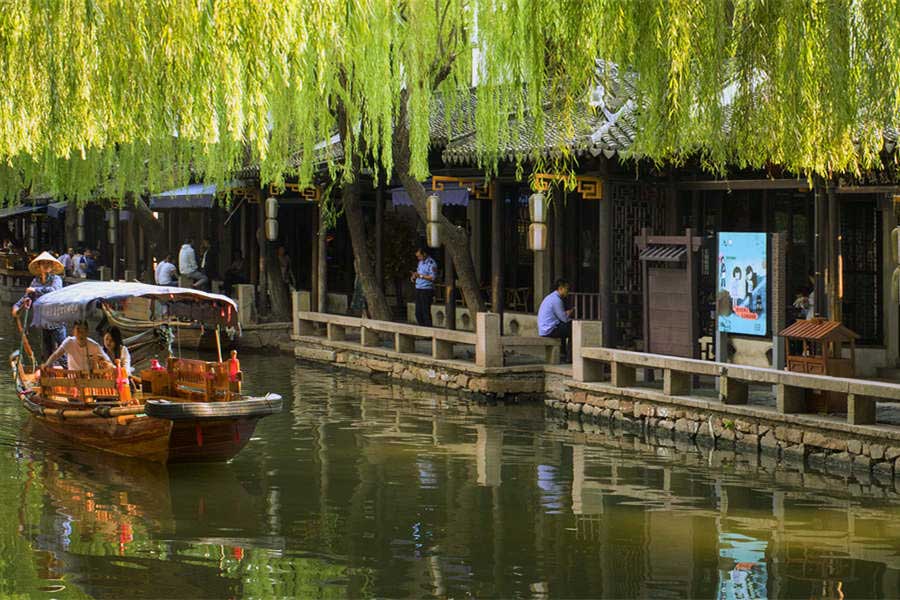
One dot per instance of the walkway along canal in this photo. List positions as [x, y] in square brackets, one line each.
[722, 405]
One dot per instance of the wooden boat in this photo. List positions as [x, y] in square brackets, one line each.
[186, 411]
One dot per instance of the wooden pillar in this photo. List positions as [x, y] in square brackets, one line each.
[694, 324]
[604, 270]
[260, 238]
[645, 284]
[558, 237]
[379, 237]
[820, 216]
[131, 245]
[314, 266]
[450, 295]
[114, 215]
[322, 264]
[497, 292]
[834, 252]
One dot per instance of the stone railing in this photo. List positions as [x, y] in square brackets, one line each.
[489, 344]
[589, 360]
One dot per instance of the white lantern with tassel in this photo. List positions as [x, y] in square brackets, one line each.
[433, 208]
[433, 234]
[79, 230]
[271, 208]
[271, 229]
[537, 237]
[537, 208]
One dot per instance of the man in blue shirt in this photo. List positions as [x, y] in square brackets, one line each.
[423, 277]
[553, 319]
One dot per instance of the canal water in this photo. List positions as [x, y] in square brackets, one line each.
[364, 488]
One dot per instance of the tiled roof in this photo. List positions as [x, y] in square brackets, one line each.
[606, 126]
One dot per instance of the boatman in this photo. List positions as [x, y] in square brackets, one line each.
[46, 270]
[423, 277]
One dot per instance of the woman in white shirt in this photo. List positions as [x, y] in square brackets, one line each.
[116, 350]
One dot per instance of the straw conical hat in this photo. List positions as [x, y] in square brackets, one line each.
[46, 257]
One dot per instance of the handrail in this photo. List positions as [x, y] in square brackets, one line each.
[486, 338]
[589, 359]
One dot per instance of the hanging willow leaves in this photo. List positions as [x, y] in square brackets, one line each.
[114, 96]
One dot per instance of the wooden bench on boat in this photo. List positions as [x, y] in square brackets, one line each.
[84, 386]
[195, 380]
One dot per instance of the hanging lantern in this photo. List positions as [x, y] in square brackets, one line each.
[433, 208]
[79, 233]
[271, 229]
[433, 234]
[32, 234]
[271, 208]
[537, 237]
[537, 208]
[111, 227]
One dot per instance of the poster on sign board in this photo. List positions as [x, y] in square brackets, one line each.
[742, 301]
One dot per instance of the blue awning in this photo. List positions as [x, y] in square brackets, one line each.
[450, 195]
[196, 195]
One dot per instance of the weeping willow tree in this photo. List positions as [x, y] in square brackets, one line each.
[112, 97]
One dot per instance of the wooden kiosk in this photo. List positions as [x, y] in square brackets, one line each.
[821, 346]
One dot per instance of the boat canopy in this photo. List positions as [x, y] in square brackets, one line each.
[76, 302]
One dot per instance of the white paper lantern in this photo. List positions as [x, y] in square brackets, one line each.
[271, 208]
[81, 219]
[537, 208]
[271, 230]
[537, 237]
[32, 235]
[79, 233]
[112, 233]
[433, 208]
[433, 235]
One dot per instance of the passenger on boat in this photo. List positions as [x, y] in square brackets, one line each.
[115, 349]
[83, 353]
[46, 270]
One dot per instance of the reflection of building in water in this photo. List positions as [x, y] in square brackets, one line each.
[755, 541]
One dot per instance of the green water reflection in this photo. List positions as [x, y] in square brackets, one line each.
[364, 488]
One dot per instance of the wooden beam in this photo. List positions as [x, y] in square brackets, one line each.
[746, 184]
[497, 212]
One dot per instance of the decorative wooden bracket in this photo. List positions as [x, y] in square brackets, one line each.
[479, 188]
[311, 193]
[590, 188]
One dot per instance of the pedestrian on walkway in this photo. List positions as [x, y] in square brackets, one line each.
[423, 278]
[166, 273]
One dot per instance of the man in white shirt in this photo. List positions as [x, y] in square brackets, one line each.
[187, 265]
[67, 261]
[78, 265]
[166, 273]
[83, 353]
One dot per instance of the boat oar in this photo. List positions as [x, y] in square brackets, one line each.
[24, 343]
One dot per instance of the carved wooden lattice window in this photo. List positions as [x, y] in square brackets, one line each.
[862, 253]
[634, 206]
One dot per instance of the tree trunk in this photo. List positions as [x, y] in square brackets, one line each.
[152, 228]
[272, 284]
[373, 290]
[455, 239]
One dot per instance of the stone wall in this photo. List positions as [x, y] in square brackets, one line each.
[446, 374]
[841, 450]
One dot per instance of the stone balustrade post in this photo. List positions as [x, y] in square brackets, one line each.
[295, 312]
[130, 275]
[245, 295]
[586, 334]
[488, 351]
